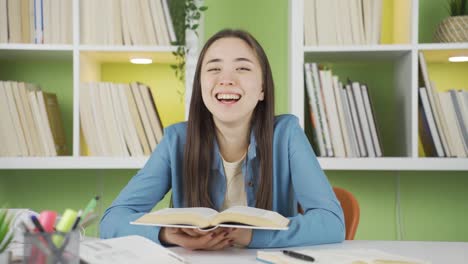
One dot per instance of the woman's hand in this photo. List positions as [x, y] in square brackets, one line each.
[241, 236]
[194, 239]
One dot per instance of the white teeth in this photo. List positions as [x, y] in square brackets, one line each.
[228, 96]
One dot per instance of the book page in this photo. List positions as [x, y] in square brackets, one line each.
[252, 216]
[196, 216]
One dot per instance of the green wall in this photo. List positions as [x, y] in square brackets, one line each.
[267, 21]
[433, 205]
[431, 13]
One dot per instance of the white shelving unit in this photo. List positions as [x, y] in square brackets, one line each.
[375, 164]
[405, 59]
[92, 55]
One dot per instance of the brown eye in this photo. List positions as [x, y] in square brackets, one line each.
[214, 69]
[243, 69]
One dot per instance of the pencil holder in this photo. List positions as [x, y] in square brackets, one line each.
[52, 248]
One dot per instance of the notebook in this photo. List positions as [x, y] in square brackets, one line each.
[343, 256]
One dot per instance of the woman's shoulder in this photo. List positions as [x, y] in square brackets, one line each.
[286, 121]
[176, 130]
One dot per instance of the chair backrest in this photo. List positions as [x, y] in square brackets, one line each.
[350, 209]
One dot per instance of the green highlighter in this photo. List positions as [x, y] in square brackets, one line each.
[90, 207]
[65, 225]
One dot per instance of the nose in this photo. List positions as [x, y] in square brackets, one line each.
[226, 82]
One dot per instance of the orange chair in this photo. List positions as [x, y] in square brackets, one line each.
[350, 209]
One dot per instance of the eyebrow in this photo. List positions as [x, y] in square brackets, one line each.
[237, 59]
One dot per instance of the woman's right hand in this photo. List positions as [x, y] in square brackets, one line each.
[195, 239]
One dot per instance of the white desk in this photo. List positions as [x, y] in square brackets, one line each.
[436, 252]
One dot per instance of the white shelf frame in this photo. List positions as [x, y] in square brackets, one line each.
[336, 164]
[404, 80]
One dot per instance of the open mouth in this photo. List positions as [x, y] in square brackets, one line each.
[228, 97]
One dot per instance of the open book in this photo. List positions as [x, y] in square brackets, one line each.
[206, 218]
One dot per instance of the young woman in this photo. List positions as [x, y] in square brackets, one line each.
[232, 151]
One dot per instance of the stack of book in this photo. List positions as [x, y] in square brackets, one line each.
[119, 119]
[342, 22]
[36, 21]
[126, 22]
[30, 121]
[343, 119]
[443, 118]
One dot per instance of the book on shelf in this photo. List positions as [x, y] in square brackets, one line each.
[350, 132]
[337, 87]
[207, 219]
[31, 122]
[326, 81]
[460, 112]
[56, 132]
[463, 104]
[427, 129]
[361, 147]
[150, 107]
[454, 135]
[370, 112]
[362, 117]
[144, 115]
[443, 126]
[36, 21]
[335, 22]
[119, 119]
[434, 105]
[343, 119]
[313, 88]
[121, 22]
[315, 115]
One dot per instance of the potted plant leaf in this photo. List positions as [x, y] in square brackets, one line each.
[6, 236]
[455, 27]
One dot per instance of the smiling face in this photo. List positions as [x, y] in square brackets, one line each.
[231, 80]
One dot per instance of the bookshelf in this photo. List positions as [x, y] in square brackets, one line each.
[87, 62]
[393, 86]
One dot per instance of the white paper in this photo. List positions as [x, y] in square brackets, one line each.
[129, 249]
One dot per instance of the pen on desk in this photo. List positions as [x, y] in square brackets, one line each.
[298, 255]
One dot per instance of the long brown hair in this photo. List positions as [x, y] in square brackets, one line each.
[199, 148]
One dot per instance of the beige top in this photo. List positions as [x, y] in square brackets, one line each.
[235, 189]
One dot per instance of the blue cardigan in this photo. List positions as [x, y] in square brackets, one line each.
[297, 177]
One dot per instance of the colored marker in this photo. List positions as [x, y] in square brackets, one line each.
[65, 225]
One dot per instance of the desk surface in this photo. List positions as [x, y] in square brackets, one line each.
[435, 252]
